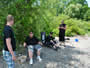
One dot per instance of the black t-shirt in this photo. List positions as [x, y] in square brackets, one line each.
[31, 41]
[49, 38]
[8, 33]
[62, 25]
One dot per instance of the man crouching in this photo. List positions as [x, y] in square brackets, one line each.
[32, 43]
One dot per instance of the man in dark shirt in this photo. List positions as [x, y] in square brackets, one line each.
[50, 41]
[32, 43]
[9, 43]
[62, 29]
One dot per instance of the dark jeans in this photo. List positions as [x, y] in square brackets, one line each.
[50, 44]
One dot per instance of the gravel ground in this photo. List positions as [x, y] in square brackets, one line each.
[76, 55]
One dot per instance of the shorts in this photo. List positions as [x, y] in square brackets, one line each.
[34, 47]
[8, 59]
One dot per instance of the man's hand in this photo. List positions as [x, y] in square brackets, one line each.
[61, 27]
[9, 46]
[24, 44]
[51, 41]
[14, 58]
[40, 43]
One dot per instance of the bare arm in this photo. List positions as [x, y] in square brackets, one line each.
[8, 42]
[40, 43]
[60, 27]
[64, 28]
[25, 44]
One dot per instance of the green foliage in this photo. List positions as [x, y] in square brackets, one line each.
[44, 15]
[87, 15]
[82, 2]
[27, 18]
[74, 26]
[77, 11]
[73, 10]
[87, 25]
[56, 22]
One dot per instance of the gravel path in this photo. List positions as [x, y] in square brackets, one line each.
[76, 56]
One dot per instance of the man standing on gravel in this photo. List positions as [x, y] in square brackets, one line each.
[9, 43]
[62, 29]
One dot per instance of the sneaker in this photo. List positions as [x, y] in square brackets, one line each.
[31, 61]
[39, 59]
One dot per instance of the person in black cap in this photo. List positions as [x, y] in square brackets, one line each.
[50, 41]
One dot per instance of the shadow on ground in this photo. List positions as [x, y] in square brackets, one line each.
[63, 58]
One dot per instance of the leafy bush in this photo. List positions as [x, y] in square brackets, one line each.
[74, 27]
[78, 11]
[87, 15]
[30, 16]
[73, 10]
